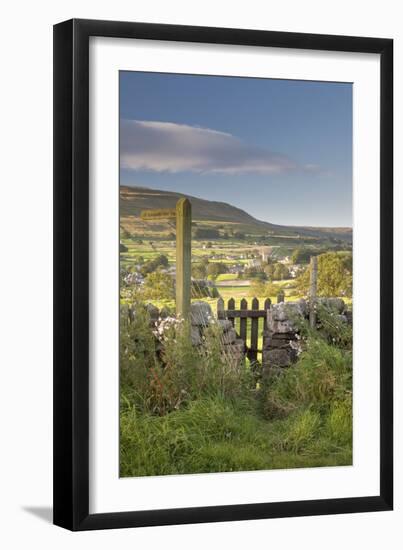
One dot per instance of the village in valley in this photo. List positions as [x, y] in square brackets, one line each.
[229, 258]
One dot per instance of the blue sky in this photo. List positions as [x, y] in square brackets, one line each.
[279, 149]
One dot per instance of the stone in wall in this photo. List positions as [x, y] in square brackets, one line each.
[282, 318]
[228, 336]
[201, 313]
[280, 357]
[201, 316]
[281, 344]
[196, 336]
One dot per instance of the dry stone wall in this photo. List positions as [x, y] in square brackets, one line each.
[281, 340]
[201, 318]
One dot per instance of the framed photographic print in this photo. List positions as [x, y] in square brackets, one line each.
[223, 322]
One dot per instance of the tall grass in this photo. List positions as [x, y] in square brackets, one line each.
[159, 378]
[190, 410]
[322, 376]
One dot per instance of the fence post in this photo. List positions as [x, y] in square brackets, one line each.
[243, 321]
[231, 306]
[312, 291]
[254, 332]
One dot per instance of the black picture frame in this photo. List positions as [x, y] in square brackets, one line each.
[71, 274]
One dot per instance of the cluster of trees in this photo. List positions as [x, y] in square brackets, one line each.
[302, 255]
[216, 233]
[205, 233]
[158, 285]
[215, 269]
[253, 272]
[335, 275]
[205, 269]
[275, 271]
[152, 265]
[263, 288]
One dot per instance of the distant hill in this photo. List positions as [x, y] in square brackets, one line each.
[135, 199]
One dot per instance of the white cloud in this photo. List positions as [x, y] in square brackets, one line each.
[171, 147]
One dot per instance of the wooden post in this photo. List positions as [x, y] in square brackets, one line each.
[243, 321]
[254, 332]
[183, 215]
[231, 307]
[312, 291]
[183, 257]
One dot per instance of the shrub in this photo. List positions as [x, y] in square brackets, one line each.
[334, 275]
[199, 270]
[322, 375]
[277, 271]
[254, 272]
[216, 268]
[158, 286]
[257, 288]
[302, 255]
[149, 267]
[334, 328]
[262, 288]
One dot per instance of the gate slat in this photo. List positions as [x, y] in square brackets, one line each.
[231, 306]
[254, 332]
[243, 321]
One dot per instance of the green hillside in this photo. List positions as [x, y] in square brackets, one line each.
[135, 199]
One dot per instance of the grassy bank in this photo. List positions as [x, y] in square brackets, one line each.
[217, 435]
[194, 415]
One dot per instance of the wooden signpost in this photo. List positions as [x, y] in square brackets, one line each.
[156, 215]
[183, 216]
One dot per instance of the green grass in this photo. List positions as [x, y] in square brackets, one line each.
[299, 419]
[226, 277]
[215, 435]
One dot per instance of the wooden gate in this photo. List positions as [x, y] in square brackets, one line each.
[248, 331]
